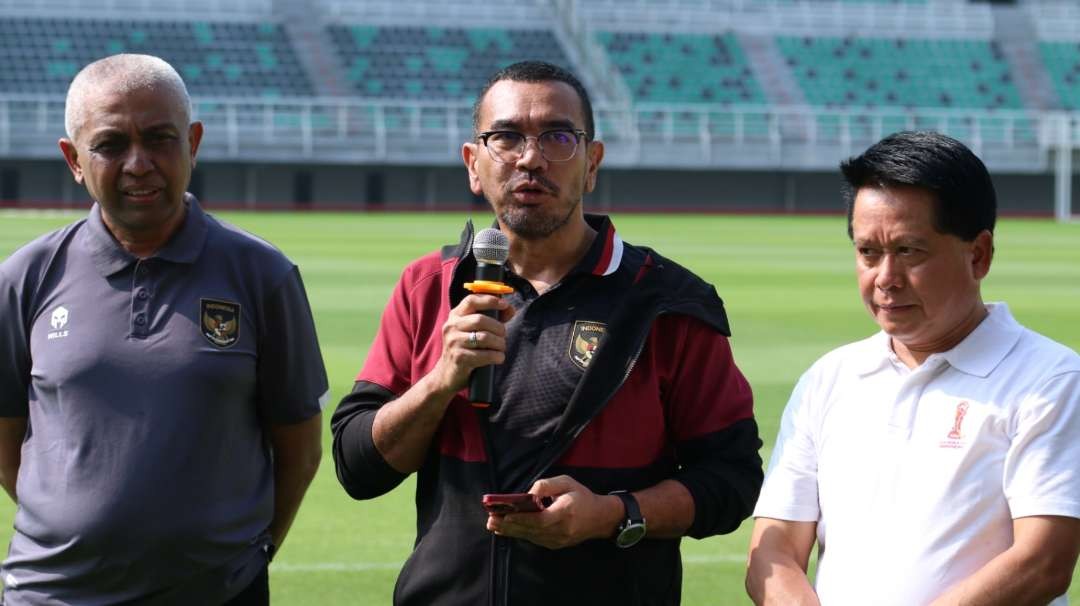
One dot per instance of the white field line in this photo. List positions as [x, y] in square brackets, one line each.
[288, 567]
[40, 213]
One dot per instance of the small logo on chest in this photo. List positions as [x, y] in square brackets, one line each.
[954, 439]
[58, 321]
[584, 339]
[220, 322]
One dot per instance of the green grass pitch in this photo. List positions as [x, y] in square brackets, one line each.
[789, 287]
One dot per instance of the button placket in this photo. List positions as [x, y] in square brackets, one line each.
[909, 394]
[140, 300]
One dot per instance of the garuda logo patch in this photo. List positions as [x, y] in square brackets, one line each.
[220, 322]
[584, 340]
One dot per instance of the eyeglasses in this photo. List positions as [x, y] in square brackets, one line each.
[508, 146]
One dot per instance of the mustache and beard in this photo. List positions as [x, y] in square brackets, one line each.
[535, 222]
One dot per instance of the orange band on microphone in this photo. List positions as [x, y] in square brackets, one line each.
[481, 404]
[487, 287]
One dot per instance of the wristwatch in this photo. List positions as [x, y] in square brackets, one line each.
[632, 529]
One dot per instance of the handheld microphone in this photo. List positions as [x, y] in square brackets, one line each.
[491, 248]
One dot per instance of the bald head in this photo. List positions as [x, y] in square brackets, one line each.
[123, 73]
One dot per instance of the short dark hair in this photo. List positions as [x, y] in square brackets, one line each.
[538, 71]
[965, 203]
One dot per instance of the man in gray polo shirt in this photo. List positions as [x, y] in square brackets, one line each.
[160, 379]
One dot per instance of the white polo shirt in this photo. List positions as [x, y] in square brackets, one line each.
[914, 475]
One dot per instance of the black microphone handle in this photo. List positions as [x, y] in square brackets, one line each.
[482, 380]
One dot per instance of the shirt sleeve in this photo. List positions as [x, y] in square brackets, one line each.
[14, 350]
[1041, 475]
[709, 412]
[790, 491]
[291, 377]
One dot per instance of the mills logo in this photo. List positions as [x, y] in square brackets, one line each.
[58, 321]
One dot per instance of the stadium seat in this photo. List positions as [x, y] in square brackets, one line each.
[682, 68]
[900, 72]
[433, 62]
[1062, 61]
[239, 59]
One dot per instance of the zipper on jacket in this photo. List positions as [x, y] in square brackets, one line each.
[626, 375]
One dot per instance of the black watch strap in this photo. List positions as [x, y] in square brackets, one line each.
[633, 512]
[632, 529]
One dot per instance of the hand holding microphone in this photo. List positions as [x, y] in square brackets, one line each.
[491, 248]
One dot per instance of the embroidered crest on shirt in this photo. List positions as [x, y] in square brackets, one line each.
[220, 322]
[954, 437]
[584, 340]
[58, 321]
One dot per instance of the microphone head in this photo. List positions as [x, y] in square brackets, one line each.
[491, 246]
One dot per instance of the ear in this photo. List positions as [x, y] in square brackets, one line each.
[982, 254]
[470, 153]
[195, 132]
[71, 156]
[594, 157]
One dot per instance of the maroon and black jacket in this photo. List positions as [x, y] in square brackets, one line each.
[661, 398]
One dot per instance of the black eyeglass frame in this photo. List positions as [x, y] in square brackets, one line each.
[579, 135]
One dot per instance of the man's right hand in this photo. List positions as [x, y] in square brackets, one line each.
[470, 340]
[403, 427]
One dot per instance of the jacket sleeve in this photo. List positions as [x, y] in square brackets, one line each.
[361, 469]
[710, 416]
[387, 373]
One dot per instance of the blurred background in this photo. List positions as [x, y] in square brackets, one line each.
[712, 105]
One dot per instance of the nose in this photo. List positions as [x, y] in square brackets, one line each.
[531, 158]
[138, 161]
[890, 275]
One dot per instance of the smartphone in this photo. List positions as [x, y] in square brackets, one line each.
[502, 504]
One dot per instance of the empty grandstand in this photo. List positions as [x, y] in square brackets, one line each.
[706, 104]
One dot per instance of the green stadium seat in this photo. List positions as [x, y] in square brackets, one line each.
[1062, 60]
[231, 58]
[902, 72]
[449, 63]
[682, 68]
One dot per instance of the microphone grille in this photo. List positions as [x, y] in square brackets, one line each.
[491, 246]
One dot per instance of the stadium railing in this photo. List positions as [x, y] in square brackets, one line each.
[330, 130]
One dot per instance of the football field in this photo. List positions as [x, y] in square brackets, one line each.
[789, 287]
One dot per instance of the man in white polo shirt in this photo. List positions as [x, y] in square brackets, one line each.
[937, 461]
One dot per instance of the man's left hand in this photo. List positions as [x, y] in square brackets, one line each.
[576, 514]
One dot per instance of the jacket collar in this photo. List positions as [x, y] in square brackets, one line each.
[604, 257]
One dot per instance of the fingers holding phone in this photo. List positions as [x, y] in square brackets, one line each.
[519, 502]
[574, 514]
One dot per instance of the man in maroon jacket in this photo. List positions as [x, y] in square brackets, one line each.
[616, 395]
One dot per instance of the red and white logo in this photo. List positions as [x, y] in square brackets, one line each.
[955, 436]
[961, 410]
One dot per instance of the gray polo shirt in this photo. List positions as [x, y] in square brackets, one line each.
[146, 475]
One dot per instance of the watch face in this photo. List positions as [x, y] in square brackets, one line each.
[630, 535]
